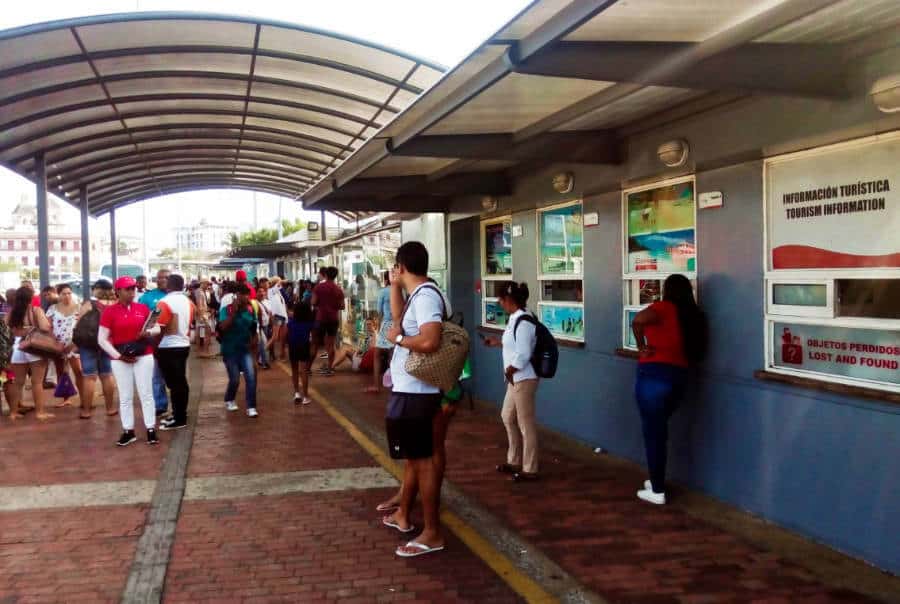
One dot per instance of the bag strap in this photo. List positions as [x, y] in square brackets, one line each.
[426, 285]
[528, 318]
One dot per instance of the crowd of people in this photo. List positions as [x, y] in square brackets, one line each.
[135, 340]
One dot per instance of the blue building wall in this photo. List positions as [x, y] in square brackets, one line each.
[822, 464]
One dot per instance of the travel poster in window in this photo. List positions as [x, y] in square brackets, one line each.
[498, 249]
[562, 241]
[661, 230]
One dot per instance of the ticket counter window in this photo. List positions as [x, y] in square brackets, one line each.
[561, 270]
[496, 268]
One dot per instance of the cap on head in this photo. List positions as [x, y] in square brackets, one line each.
[125, 282]
[241, 275]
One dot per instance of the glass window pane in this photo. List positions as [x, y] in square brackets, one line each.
[498, 249]
[562, 291]
[494, 315]
[565, 322]
[800, 294]
[874, 298]
[561, 241]
[661, 229]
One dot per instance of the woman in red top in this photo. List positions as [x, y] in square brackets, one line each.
[670, 336]
[122, 337]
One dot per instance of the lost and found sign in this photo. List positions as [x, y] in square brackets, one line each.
[836, 209]
[865, 354]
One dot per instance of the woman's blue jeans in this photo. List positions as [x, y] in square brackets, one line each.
[235, 365]
[658, 390]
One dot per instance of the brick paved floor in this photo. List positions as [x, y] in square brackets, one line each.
[297, 547]
[585, 516]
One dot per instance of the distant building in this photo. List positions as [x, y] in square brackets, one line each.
[19, 245]
[203, 237]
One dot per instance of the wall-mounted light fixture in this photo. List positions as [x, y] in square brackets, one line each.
[673, 153]
[564, 182]
[489, 204]
[886, 93]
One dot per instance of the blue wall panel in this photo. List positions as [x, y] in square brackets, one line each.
[822, 464]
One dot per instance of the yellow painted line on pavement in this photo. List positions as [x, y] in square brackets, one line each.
[519, 582]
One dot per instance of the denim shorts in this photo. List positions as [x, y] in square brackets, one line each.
[94, 362]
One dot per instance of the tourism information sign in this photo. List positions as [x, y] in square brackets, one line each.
[836, 208]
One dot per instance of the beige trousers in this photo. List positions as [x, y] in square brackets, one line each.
[521, 426]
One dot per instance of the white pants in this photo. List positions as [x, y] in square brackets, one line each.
[131, 376]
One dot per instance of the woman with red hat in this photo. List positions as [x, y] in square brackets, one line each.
[123, 338]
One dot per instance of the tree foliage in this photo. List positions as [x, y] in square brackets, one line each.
[265, 235]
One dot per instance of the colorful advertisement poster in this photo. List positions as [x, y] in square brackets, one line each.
[562, 241]
[494, 315]
[498, 249]
[836, 209]
[630, 314]
[864, 354]
[661, 228]
[564, 321]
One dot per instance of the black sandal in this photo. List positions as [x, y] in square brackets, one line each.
[505, 468]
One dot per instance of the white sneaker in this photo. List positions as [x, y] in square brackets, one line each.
[231, 406]
[297, 397]
[306, 400]
[252, 413]
[650, 497]
[648, 486]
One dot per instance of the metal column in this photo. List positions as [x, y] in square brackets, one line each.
[322, 226]
[113, 245]
[85, 246]
[40, 177]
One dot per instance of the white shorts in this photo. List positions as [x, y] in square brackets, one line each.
[20, 357]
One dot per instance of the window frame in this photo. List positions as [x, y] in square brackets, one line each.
[629, 279]
[542, 277]
[791, 310]
[828, 276]
[485, 278]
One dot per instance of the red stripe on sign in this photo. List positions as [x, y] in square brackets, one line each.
[804, 256]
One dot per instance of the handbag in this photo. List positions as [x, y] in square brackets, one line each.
[442, 367]
[64, 387]
[39, 342]
[133, 349]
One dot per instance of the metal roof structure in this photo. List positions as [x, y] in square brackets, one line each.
[569, 81]
[133, 106]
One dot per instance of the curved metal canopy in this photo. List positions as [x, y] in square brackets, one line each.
[139, 105]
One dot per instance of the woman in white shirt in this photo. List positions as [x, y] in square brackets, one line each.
[518, 344]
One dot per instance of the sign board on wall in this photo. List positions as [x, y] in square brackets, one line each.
[864, 354]
[836, 208]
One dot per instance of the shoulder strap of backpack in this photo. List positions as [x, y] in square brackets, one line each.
[528, 318]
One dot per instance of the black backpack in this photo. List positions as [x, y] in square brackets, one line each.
[85, 333]
[545, 357]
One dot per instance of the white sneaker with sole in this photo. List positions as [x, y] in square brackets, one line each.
[650, 497]
[252, 413]
[307, 400]
[231, 406]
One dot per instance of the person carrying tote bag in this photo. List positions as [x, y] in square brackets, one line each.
[24, 320]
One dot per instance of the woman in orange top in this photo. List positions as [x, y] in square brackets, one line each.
[671, 335]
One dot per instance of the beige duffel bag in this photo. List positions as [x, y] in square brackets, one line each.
[443, 367]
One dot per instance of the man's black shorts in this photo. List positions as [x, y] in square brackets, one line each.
[299, 353]
[325, 329]
[409, 424]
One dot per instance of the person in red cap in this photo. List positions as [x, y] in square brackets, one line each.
[241, 277]
[123, 338]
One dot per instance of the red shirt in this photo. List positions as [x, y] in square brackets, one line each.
[36, 301]
[664, 337]
[125, 323]
[329, 301]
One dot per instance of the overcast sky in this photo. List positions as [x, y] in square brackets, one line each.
[444, 32]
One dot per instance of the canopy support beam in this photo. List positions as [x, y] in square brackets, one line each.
[85, 244]
[42, 221]
[594, 147]
[814, 70]
[113, 245]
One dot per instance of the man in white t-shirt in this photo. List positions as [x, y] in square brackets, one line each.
[414, 409]
[176, 318]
